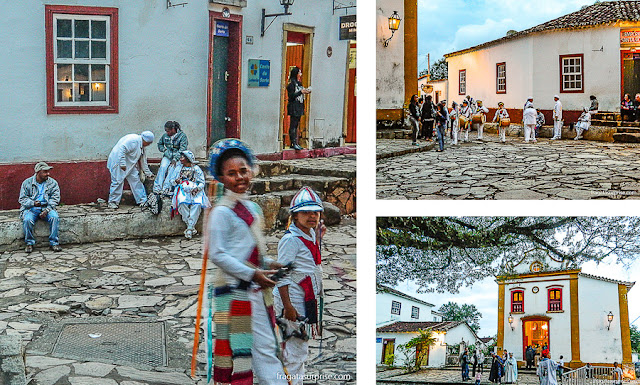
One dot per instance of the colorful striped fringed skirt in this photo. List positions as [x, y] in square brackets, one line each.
[232, 346]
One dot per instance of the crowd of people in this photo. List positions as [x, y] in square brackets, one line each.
[427, 118]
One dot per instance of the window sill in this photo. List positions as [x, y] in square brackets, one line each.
[517, 312]
[83, 110]
[555, 311]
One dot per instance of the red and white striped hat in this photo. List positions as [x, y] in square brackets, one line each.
[306, 200]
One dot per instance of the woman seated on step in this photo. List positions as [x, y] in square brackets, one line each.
[189, 196]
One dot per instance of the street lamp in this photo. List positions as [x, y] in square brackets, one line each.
[286, 4]
[510, 319]
[394, 24]
[610, 319]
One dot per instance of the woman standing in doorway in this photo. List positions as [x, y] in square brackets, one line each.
[295, 106]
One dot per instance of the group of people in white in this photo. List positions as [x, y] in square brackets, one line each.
[471, 114]
[178, 177]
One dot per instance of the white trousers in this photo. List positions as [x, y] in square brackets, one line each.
[480, 129]
[266, 365]
[118, 177]
[529, 132]
[190, 214]
[557, 129]
[502, 130]
[296, 351]
[162, 178]
[454, 132]
[579, 132]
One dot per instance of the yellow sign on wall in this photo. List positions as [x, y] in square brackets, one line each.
[630, 36]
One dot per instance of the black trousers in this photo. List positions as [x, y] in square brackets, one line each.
[427, 128]
[294, 123]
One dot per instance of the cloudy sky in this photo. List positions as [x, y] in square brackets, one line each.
[448, 26]
[485, 294]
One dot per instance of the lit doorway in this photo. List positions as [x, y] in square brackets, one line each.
[535, 332]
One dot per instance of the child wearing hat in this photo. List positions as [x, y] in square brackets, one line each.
[189, 197]
[298, 294]
[244, 318]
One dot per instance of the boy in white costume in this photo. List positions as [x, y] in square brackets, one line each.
[529, 118]
[125, 161]
[297, 296]
[557, 118]
[480, 109]
[501, 113]
[189, 197]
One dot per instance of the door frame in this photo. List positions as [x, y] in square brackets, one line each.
[524, 321]
[235, 115]
[306, 77]
[385, 342]
[347, 85]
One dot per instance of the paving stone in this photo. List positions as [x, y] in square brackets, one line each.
[91, 381]
[164, 281]
[48, 307]
[94, 369]
[52, 375]
[135, 301]
[155, 377]
[43, 362]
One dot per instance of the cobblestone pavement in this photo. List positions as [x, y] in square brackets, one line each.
[443, 376]
[386, 148]
[150, 280]
[564, 169]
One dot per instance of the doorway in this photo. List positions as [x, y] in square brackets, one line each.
[223, 102]
[388, 346]
[297, 53]
[535, 332]
[630, 73]
[350, 136]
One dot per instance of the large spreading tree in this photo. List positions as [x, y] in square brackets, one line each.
[446, 253]
[470, 314]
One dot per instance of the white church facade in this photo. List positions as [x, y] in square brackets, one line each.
[580, 316]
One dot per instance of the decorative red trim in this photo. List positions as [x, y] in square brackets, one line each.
[581, 90]
[558, 289]
[233, 132]
[465, 82]
[505, 78]
[112, 108]
[513, 292]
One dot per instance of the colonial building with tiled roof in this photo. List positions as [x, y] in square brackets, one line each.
[592, 51]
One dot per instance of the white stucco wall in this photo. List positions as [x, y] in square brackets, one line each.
[437, 352]
[536, 304]
[532, 65]
[597, 344]
[163, 64]
[389, 60]
[383, 309]
[438, 85]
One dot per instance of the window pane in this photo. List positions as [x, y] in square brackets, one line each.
[64, 28]
[97, 72]
[98, 49]
[98, 29]
[98, 91]
[81, 28]
[64, 92]
[64, 48]
[81, 72]
[64, 72]
[81, 91]
[82, 49]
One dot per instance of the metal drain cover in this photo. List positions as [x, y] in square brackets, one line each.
[118, 342]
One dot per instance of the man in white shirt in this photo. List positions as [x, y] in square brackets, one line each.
[529, 117]
[557, 118]
[124, 161]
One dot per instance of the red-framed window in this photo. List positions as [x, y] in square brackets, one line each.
[517, 301]
[81, 59]
[572, 73]
[462, 82]
[554, 296]
[501, 78]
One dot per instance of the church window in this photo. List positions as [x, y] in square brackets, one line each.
[395, 307]
[555, 299]
[517, 301]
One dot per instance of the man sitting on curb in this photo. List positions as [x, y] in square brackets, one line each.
[39, 196]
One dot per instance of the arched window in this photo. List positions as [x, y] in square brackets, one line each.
[555, 299]
[517, 301]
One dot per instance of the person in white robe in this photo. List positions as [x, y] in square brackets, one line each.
[453, 116]
[501, 113]
[546, 371]
[481, 109]
[529, 117]
[511, 370]
[557, 119]
[583, 123]
[189, 197]
[126, 160]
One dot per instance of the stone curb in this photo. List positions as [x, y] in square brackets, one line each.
[12, 370]
[428, 147]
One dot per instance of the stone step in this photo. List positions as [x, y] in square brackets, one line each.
[626, 137]
[607, 116]
[613, 123]
[387, 133]
[628, 129]
[295, 182]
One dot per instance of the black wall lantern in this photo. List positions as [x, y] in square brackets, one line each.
[394, 24]
[286, 4]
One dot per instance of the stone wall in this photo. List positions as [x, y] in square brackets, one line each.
[597, 133]
[12, 370]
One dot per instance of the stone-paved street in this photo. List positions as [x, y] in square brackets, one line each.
[564, 169]
[442, 376]
[151, 280]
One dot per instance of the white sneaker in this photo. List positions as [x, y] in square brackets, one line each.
[112, 205]
[188, 234]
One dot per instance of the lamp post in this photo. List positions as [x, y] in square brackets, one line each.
[394, 24]
[286, 4]
[610, 319]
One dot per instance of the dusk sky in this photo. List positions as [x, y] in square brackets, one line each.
[485, 294]
[449, 26]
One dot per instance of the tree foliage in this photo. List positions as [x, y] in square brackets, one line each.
[440, 70]
[635, 338]
[446, 253]
[416, 350]
[468, 313]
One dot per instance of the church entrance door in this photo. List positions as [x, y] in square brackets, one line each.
[535, 332]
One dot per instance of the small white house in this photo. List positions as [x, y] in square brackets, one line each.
[438, 89]
[580, 316]
[593, 51]
[399, 317]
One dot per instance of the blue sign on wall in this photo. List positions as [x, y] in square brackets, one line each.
[259, 73]
[222, 28]
[378, 340]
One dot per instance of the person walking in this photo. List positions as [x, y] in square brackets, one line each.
[497, 369]
[454, 118]
[295, 105]
[529, 355]
[464, 364]
[482, 111]
[511, 370]
[427, 116]
[414, 119]
[547, 370]
[557, 118]
[617, 374]
[481, 361]
[502, 116]
[466, 111]
[441, 122]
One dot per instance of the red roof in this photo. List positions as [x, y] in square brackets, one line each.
[408, 327]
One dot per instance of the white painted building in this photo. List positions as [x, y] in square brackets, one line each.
[580, 316]
[438, 89]
[400, 316]
[78, 77]
[588, 52]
